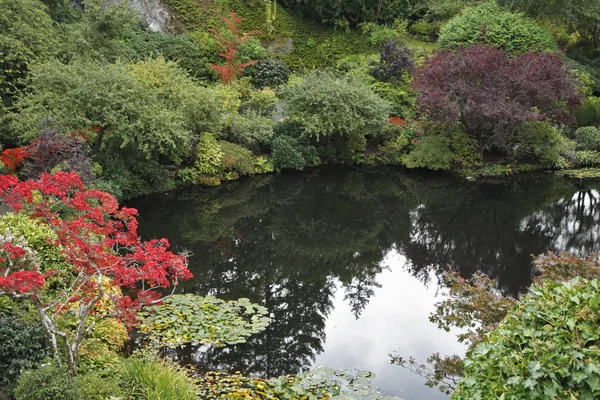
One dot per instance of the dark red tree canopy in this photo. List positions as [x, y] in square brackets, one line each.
[482, 87]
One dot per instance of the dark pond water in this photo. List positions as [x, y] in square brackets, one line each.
[348, 261]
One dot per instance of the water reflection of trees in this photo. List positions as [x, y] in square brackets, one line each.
[289, 242]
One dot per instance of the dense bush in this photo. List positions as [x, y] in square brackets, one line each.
[588, 113]
[95, 387]
[269, 72]
[327, 105]
[430, 152]
[488, 23]
[131, 174]
[22, 345]
[47, 382]
[394, 60]
[53, 149]
[152, 378]
[588, 138]
[250, 130]
[482, 88]
[538, 140]
[545, 348]
[209, 155]
[236, 159]
[27, 35]
[104, 32]
[588, 158]
[109, 104]
[287, 153]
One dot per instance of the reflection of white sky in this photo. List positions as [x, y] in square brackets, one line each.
[395, 320]
[571, 224]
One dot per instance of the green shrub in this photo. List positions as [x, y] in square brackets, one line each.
[588, 158]
[152, 378]
[259, 102]
[430, 152]
[287, 153]
[426, 30]
[250, 130]
[129, 174]
[537, 140]
[588, 138]
[47, 382]
[588, 113]
[465, 149]
[236, 159]
[188, 176]
[269, 72]
[94, 387]
[22, 345]
[545, 348]
[323, 104]
[35, 233]
[208, 155]
[489, 23]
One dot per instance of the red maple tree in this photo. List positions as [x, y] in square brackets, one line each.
[102, 249]
[230, 43]
[13, 158]
[483, 88]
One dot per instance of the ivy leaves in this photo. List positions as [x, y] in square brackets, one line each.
[184, 319]
[547, 347]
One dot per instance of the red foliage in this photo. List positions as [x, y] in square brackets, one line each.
[398, 121]
[13, 158]
[99, 241]
[483, 88]
[230, 43]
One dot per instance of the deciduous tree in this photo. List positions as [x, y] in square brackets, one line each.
[100, 244]
[488, 92]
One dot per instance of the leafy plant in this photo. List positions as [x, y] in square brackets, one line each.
[22, 345]
[152, 378]
[236, 159]
[547, 347]
[430, 152]
[52, 149]
[588, 138]
[269, 72]
[287, 153]
[327, 105]
[588, 158]
[47, 382]
[394, 60]
[482, 88]
[102, 249]
[588, 114]
[230, 43]
[492, 25]
[193, 319]
[209, 155]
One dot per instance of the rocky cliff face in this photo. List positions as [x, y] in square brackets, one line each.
[153, 12]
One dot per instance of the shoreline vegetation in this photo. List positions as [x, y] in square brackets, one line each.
[95, 108]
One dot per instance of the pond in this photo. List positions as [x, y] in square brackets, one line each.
[348, 261]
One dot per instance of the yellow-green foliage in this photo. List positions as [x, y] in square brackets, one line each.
[236, 159]
[208, 155]
[36, 233]
[431, 152]
[588, 158]
[152, 378]
[465, 149]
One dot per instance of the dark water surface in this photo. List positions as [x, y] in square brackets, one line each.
[348, 261]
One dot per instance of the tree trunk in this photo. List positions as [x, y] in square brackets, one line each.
[378, 13]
